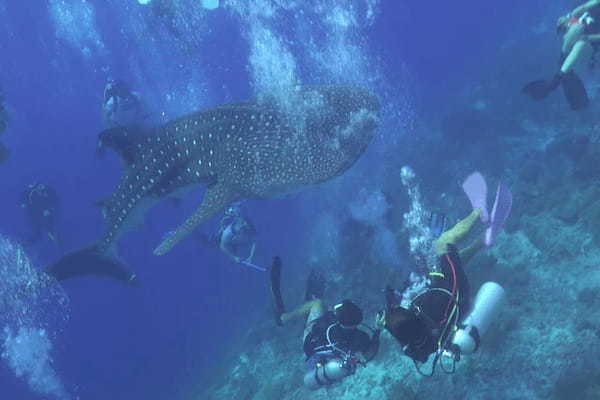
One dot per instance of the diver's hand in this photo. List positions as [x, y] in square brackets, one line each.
[380, 320]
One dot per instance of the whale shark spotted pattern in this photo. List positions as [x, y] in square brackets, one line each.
[256, 149]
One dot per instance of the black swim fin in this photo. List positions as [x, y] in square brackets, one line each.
[540, 89]
[90, 261]
[574, 91]
[275, 274]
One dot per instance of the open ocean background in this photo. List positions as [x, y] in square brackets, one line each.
[178, 335]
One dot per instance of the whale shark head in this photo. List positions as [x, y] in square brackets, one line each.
[345, 125]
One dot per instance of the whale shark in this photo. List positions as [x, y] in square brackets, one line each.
[260, 148]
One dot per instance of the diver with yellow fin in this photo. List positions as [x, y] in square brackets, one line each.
[436, 316]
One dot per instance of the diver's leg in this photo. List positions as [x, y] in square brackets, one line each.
[457, 232]
[315, 312]
[581, 50]
[310, 308]
[572, 36]
[468, 252]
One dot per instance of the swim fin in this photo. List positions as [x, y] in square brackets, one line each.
[275, 273]
[574, 91]
[540, 89]
[315, 286]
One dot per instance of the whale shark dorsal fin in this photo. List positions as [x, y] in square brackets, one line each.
[123, 140]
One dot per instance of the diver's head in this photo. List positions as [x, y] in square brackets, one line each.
[348, 314]
[115, 88]
[233, 210]
[340, 122]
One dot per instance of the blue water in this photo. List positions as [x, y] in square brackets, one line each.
[157, 341]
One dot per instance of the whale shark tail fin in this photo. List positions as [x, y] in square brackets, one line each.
[91, 261]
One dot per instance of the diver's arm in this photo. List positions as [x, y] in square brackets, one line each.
[228, 252]
[593, 38]
[251, 256]
[584, 7]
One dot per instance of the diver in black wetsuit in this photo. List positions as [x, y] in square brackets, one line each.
[41, 203]
[121, 106]
[124, 120]
[434, 318]
[581, 41]
[332, 339]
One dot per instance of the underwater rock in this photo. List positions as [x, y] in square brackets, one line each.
[588, 163]
[590, 297]
[572, 147]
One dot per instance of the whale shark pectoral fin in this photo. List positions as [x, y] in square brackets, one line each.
[216, 197]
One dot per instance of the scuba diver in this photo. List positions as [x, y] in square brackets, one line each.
[332, 339]
[40, 201]
[236, 237]
[431, 317]
[121, 106]
[124, 120]
[581, 40]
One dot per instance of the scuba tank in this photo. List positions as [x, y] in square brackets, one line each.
[334, 365]
[466, 340]
[331, 371]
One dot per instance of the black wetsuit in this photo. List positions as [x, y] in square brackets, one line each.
[346, 339]
[432, 310]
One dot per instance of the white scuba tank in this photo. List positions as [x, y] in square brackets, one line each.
[484, 309]
[333, 370]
